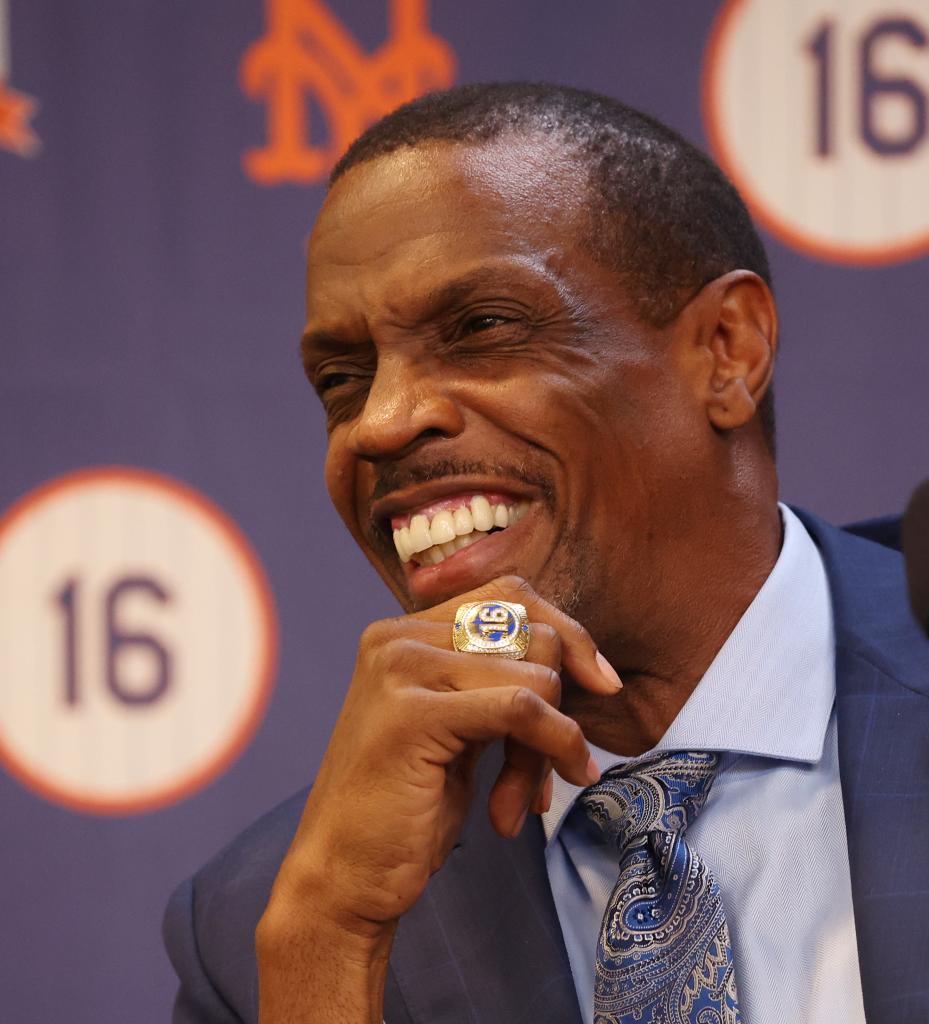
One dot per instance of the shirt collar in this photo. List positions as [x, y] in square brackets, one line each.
[769, 691]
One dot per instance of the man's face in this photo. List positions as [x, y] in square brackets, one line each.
[473, 357]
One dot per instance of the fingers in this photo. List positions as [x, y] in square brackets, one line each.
[578, 651]
[440, 669]
[544, 641]
[516, 788]
[535, 740]
[545, 645]
[519, 788]
[517, 713]
[514, 701]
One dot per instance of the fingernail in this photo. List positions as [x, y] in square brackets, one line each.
[592, 771]
[609, 672]
[519, 824]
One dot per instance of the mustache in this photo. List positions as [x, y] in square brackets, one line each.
[395, 476]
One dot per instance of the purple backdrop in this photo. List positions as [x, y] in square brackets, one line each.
[150, 305]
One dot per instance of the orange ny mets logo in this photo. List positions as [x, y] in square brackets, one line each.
[308, 54]
[16, 108]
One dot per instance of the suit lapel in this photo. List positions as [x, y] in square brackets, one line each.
[882, 705]
[483, 945]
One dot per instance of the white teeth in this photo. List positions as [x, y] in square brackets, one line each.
[419, 534]
[450, 530]
[464, 521]
[402, 549]
[439, 552]
[481, 513]
[471, 538]
[442, 528]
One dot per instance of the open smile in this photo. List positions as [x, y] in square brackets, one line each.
[452, 540]
[437, 531]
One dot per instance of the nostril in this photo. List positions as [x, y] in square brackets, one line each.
[391, 449]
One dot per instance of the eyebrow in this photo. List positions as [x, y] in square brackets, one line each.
[431, 303]
[313, 343]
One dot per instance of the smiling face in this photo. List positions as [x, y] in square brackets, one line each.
[494, 404]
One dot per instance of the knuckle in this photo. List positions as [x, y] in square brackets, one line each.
[547, 634]
[575, 736]
[548, 683]
[525, 703]
[548, 641]
[376, 633]
[414, 707]
[442, 679]
[399, 650]
[370, 637]
[580, 634]
[390, 656]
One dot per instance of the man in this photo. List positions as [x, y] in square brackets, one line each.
[542, 329]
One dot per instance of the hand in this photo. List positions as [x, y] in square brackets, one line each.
[397, 778]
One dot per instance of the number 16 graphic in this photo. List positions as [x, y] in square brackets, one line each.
[138, 640]
[875, 88]
[117, 640]
[818, 113]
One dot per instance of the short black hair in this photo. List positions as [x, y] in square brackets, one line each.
[663, 214]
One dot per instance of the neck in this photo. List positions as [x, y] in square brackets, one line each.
[671, 657]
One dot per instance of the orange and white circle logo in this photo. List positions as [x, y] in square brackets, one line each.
[819, 113]
[138, 640]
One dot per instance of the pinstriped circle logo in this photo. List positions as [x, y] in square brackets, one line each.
[819, 112]
[138, 640]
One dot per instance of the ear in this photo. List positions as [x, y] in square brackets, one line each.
[734, 323]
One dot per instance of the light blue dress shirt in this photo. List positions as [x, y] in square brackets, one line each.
[773, 828]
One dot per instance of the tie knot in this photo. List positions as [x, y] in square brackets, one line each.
[662, 793]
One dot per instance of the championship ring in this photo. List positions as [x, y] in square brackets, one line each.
[491, 627]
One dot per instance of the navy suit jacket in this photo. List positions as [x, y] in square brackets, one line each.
[483, 944]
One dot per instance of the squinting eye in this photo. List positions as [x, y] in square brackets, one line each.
[482, 323]
[332, 380]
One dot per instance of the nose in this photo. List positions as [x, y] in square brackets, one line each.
[408, 403]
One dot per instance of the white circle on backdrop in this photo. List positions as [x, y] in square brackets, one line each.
[138, 640]
[818, 110]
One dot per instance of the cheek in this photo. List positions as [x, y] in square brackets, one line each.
[646, 402]
[340, 480]
[640, 432]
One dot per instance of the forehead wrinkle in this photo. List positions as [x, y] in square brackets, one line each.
[440, 296]
[414, 306]
[409, 308]
[496, 277]
[361, 276]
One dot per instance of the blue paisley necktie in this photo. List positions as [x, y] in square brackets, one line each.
[663, 954]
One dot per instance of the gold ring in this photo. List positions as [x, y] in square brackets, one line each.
[491, 627]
